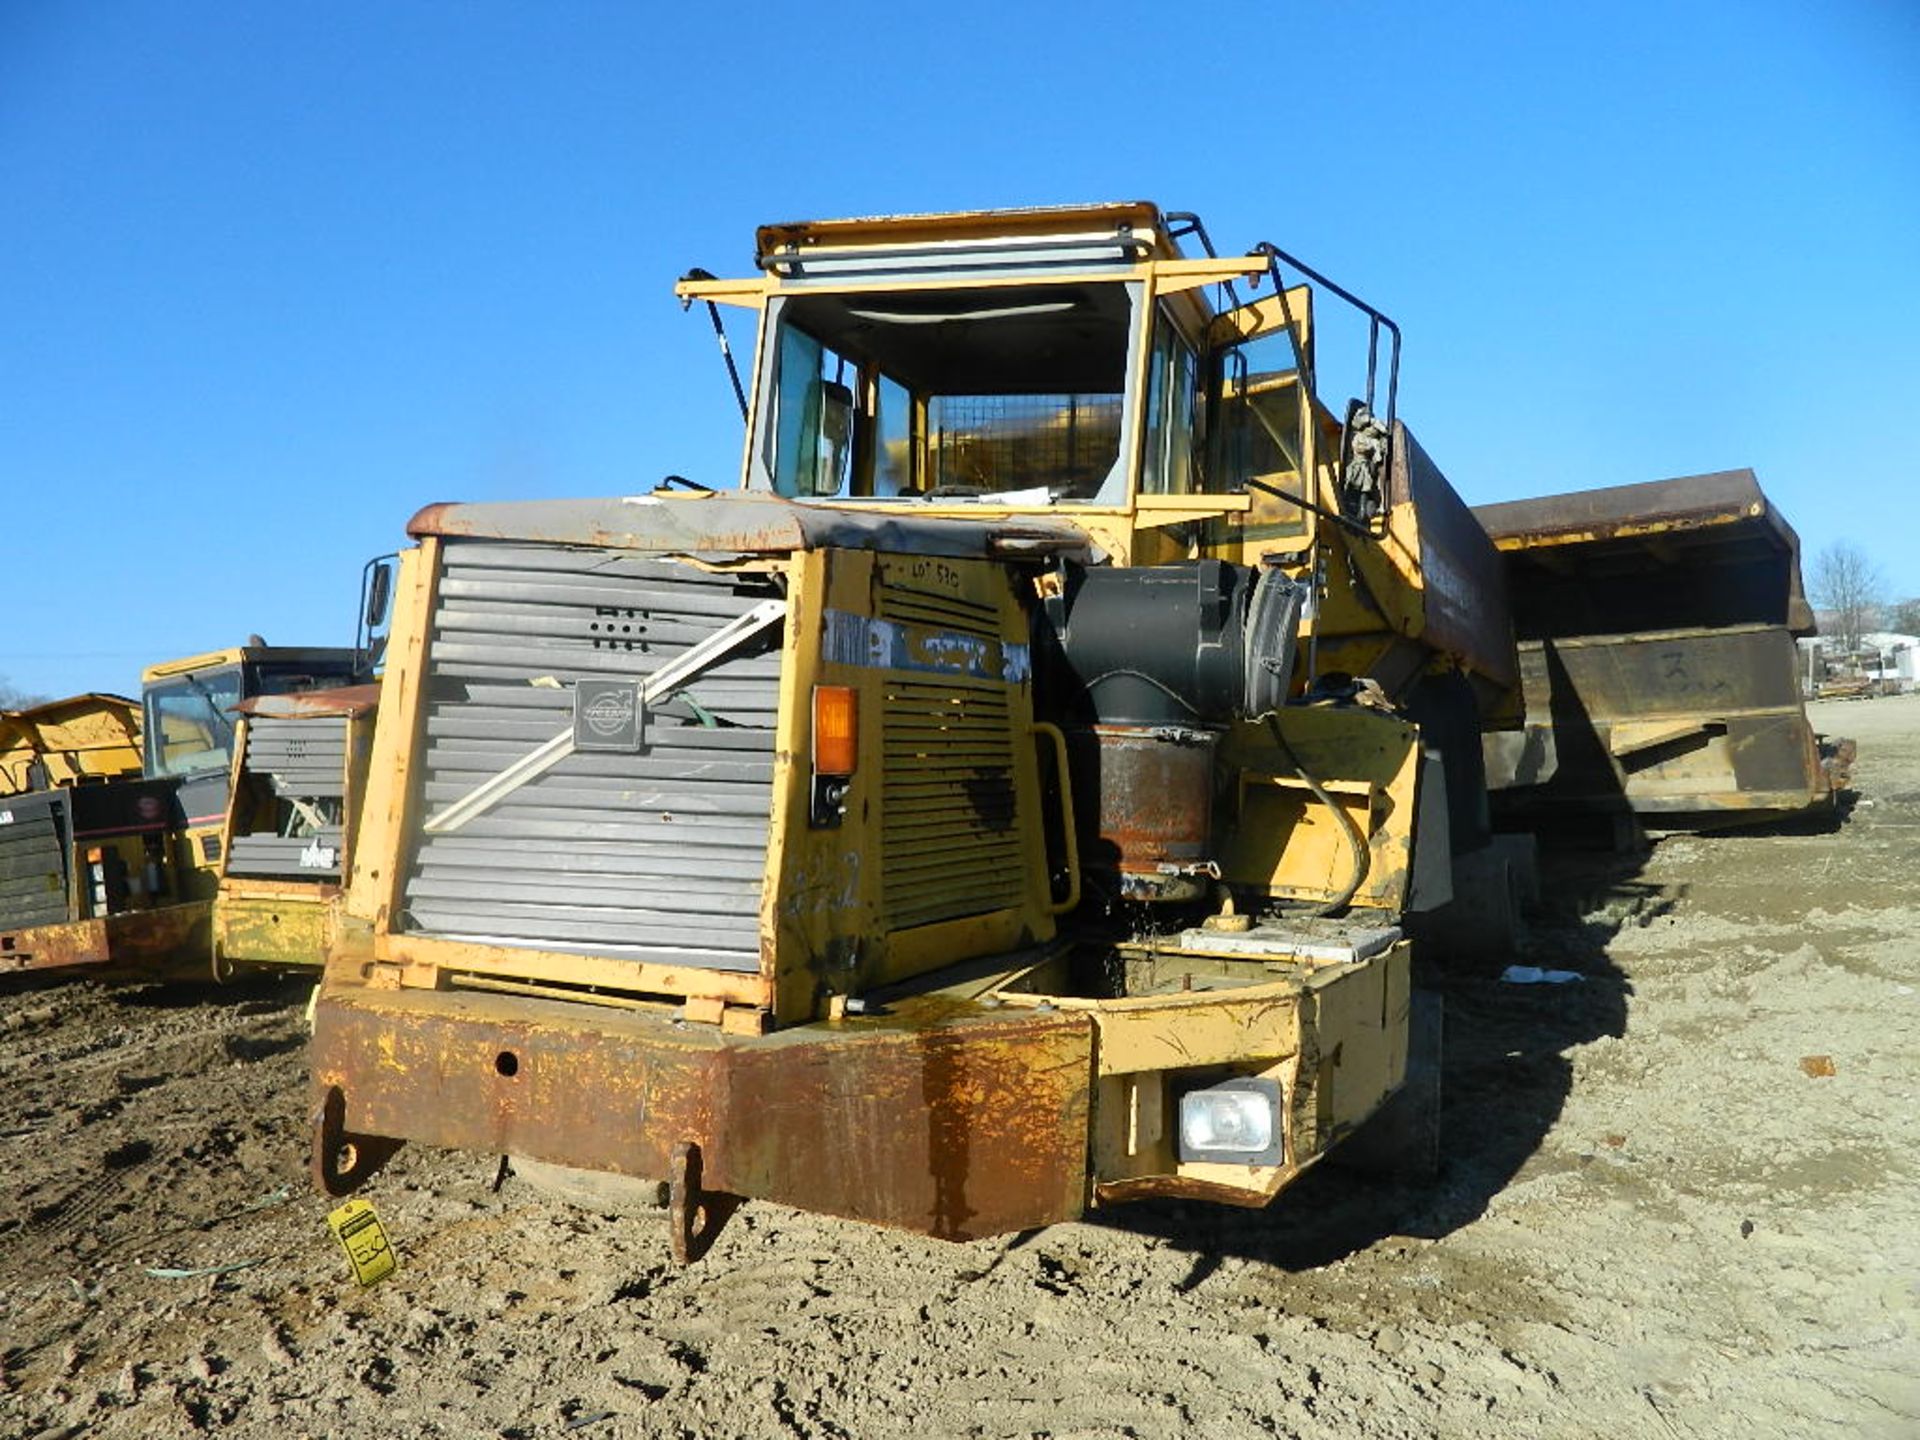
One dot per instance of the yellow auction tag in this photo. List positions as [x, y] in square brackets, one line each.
[362, 1236]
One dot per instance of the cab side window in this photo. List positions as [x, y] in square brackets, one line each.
[1259, 412]
[893, 448]
[813, 417]
[1175, 412]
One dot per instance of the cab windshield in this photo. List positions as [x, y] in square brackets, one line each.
[1015, 393]
[189, 725]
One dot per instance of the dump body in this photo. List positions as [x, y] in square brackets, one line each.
[852, 838]
[1656, 625]
[64, 742]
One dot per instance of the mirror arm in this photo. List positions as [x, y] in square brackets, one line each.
[719, 334]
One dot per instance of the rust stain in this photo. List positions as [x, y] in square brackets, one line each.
[435, 519]
[138, 939]
[344, 700]
[1817, 1067]
[1155, 797]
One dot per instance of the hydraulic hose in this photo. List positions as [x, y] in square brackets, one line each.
[1356, 842]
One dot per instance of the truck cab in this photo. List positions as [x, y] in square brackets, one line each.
[1077, 362]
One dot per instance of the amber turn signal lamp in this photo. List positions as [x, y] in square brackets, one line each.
[836, 730]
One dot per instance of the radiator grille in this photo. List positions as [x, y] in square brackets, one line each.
[33, 861]
[947, 612]
[656, 856]
[951, 845]
[304, 763]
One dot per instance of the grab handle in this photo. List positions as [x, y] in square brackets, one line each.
[1072, 844]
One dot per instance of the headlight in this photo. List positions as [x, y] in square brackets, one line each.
[1234, 1121]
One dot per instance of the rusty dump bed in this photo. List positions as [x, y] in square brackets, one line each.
[1656, 626]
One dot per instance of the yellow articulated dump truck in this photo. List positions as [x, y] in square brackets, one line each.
[84, 866]
[117, 872]
[1007, 801]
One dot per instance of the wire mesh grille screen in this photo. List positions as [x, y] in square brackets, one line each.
[1012, 442]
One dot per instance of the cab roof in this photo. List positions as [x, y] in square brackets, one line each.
[1028, 222]
[344, 657]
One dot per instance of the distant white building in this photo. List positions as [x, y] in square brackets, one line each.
[1899, 661]
[1884, 657]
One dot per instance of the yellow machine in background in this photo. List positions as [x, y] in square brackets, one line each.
[299, 770]
[119, 872]
[67, 742]
[1009, 801]
[191, 713]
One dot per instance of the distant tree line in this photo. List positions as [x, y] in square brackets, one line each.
[16, 699]
[1850, 591]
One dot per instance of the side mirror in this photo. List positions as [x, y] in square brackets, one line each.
[376, 609]
[379, 594]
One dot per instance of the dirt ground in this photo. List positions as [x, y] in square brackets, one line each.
[1679, 1201]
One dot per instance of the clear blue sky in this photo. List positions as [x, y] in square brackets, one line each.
[274, 276]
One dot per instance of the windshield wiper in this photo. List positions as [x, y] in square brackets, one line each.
[213, 708]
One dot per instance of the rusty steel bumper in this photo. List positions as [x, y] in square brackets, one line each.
[953, 1118]
[138, 940]
[952, 1121]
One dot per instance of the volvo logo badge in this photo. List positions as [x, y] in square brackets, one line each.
[608, 715]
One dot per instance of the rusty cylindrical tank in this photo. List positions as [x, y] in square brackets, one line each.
[1146, 666]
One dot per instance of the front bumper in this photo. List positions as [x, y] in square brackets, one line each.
[275, 924]
[138, 940]
[957, 1126]
[954, 1118]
